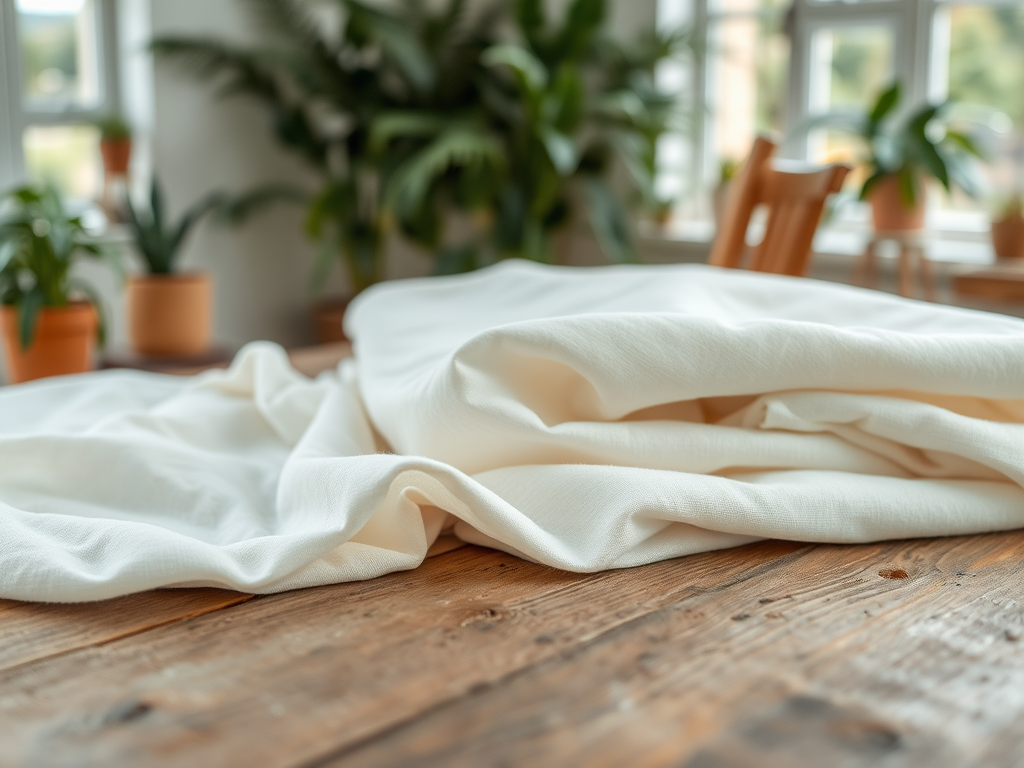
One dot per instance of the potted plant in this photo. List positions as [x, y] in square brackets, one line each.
[901, 155]
[169, 313]
[50, 321]
[1008, 228]
[116, 152]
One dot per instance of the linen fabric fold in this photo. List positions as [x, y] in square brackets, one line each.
[582, 418]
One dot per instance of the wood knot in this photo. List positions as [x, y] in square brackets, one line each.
[127, 712]
[893, 573]
[487, 616]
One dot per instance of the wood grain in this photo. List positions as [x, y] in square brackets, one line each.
[893, 654]
[33, 631]
[289, 678]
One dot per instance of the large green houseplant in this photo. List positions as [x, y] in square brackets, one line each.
[413, 117]
[329, 86]
[901, 154]
[561, 107]
[50, 318]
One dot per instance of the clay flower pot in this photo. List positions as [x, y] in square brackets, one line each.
[170, 315]
[888, 211]
[1008, 237]
[116, 154]
[328, 315]
[64, 342]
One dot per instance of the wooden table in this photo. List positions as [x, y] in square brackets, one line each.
[906, 653]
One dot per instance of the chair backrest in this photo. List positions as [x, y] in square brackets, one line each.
[795, 202]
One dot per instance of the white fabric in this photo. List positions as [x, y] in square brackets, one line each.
[586, 419]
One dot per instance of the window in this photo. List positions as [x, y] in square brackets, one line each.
[58, 75]
[770, 65]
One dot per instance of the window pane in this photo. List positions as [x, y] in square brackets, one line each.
[986, 69]
[747, 81]
[64, 155]
[59, 61]
[849, 66]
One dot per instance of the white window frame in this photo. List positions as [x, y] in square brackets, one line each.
[15, 116]
[920, 62]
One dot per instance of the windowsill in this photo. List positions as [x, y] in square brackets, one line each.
[969, 244]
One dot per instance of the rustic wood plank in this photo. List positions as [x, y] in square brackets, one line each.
[905, 653]
[33, 631]
[291, 677]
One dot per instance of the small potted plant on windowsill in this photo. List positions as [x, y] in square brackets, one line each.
[170, 314]
[1008, 228]
[900, 157]
[50, 320]
[116, 152]
[115, 145]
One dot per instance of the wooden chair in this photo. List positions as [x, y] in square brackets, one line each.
[795, 202]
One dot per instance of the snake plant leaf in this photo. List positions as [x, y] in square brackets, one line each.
[28, 315]
[189, 219]
[609, 221]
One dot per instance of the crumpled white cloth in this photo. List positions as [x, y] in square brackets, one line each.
[583, 418]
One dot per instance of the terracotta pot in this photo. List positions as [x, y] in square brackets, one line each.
[1008, 237]
[328, 315]
[64, 342]
[170, 315]
[116, 154]
[888, 211]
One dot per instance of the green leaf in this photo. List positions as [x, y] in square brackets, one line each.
[581, 24]
[530, 71]
[530, 18]
[964, 142]
[402, 124]
[398, 41]
[561, 151]
[884, 104]
[609, 222]
[241, 208]
[28, 315]
[459, 146]
[94, 298]
[191, 217]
